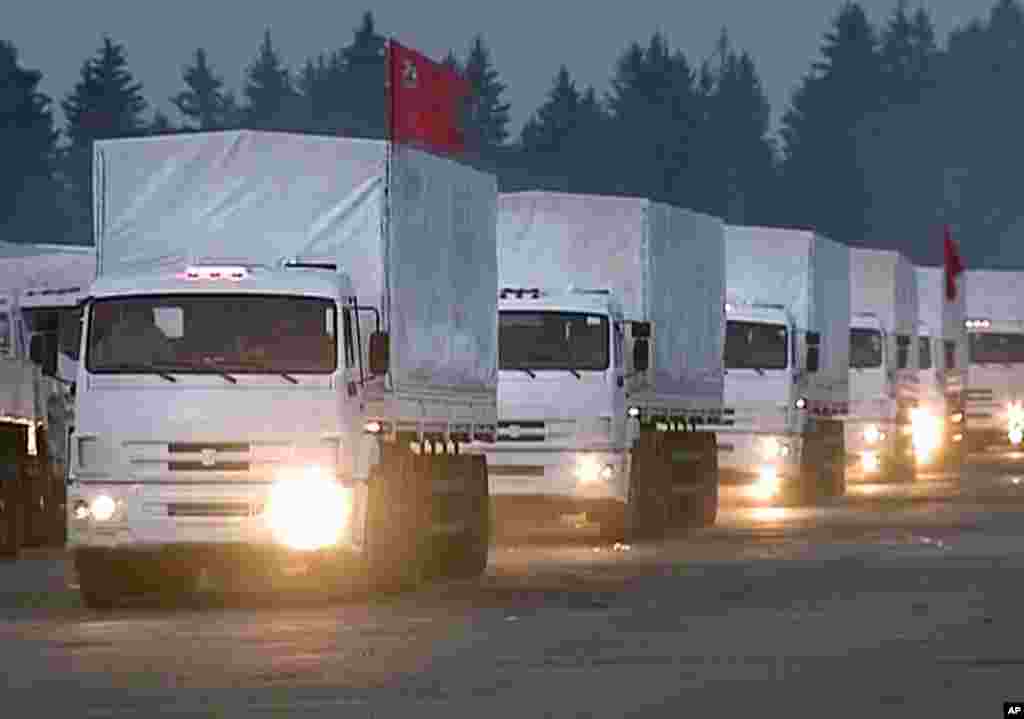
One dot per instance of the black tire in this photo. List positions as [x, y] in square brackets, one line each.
[464, 555]
[398, 521]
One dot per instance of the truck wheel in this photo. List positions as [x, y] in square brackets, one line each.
[398, 521]
[464, 554]
[98, 582]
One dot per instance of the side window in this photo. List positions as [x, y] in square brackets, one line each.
[924, 353]
[950, 352]
[902, 351]
[70, 332]
[349, 338]
[617, 346]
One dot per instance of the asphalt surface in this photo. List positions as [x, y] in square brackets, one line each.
[894, 601]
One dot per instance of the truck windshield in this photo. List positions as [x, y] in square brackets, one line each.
[755, 345]
[552, 341]
[996, 348]
[6, 346]
[865, 348]
[248, 334]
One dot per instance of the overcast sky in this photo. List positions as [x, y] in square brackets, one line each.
[528, 38]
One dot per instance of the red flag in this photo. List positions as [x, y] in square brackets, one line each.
[954, 265]
[425, 99]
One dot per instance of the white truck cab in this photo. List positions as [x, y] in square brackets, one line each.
[239, 406]
[562, 429]
[762, 377]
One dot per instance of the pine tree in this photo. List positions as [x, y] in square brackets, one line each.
[654, 116]
[272, 103]
[161, 125]
[820, 131]
[27, 142]
[363, 81]
[205, 102]
[547, 131]
[106, 103]
[487, 117]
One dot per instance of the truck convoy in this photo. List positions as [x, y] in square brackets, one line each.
[610, 346]
[938, 422]
[786, 358]
[289, 355]
[995, 372]
[883, 365]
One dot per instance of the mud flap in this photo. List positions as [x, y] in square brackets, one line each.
[649, 488]
[460, 518]
[822, 462]
[693, 479]
[399, 520]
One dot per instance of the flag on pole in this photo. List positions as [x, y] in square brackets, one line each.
[425, 99]
[954, 264]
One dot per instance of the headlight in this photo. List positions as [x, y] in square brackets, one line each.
[1015, 422]
[869, 461]
[926, 431]
[308, 510]
[81, 510]
[768, 483]
[590, 470]
[871, 434]
[772, 448]
[102, 508]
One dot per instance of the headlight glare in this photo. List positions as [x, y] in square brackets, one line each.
[307, 509]
[102, 508]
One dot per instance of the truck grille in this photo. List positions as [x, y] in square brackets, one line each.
[212, 509]
[522, 431]
[207, 456]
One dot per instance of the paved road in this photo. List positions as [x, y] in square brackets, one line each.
[895, 601]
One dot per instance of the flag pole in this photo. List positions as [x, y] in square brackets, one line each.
[389, 127]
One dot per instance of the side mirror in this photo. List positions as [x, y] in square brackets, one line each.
[641, 330]
[42, 350]
[379, 353]
[812, 358]
[640, 355]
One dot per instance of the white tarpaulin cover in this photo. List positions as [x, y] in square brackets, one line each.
[884, 282]
[806, 273]
[24, 266]
[995, 294]
[665, 265]
[259, 197]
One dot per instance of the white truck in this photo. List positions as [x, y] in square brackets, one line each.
[883, 365]
[938, 424]
[40, 289]
[994, 395]
[610, 347]
[786, 364]
[290, 357]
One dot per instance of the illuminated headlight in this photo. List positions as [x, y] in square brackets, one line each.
[590, 470]
[957, 417]
[927, 433]
[1015, 422]
[768, 483]
[308, 510]
[869, 461]
[102, 508]
[871, 434]
[801, 403]
[634, 412]
[773, 448]
[81, 510]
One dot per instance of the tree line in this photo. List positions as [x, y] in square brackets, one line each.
[888, 135]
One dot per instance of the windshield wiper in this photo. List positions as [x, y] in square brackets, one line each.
[142, 369]
[259, 366]
[218, 371]
[530, 372]
[575, 374]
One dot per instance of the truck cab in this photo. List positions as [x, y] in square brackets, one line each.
[876, 356]
[761, 449]
[994, 396]
[562, 417]
[215, 408]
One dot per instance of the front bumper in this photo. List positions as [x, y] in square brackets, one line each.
[559, 474]
[746, 464]
[149, 517]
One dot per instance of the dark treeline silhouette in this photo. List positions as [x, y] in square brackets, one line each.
[888, 135]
